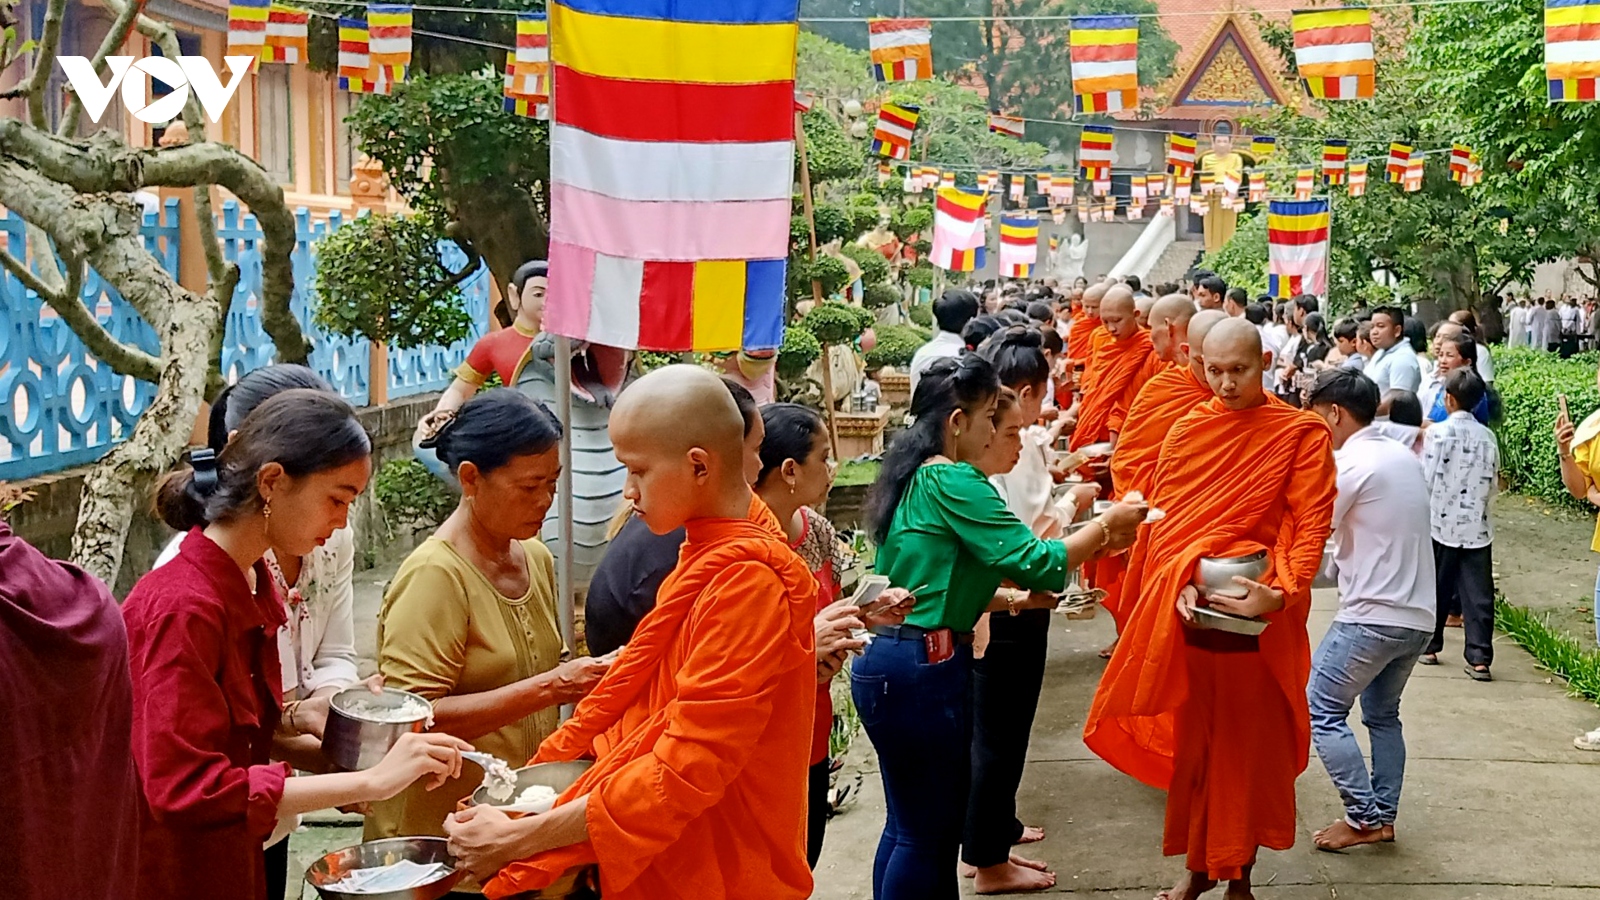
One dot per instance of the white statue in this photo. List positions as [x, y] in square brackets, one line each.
[1067, 261]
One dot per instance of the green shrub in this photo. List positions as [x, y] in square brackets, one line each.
[827, 271]
[920, 275]
[877, 296]
[836, 323]
[874, 268]
[800, 349]
[381, 278]
[1529, 382]
[411, 497]
[922, 314]
[896, 345]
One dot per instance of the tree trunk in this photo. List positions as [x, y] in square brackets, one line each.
[505, 226]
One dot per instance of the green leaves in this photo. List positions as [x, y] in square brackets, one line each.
[896, 345]
[1529, 383]
[380, 277]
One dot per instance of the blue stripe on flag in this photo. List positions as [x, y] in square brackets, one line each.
[1104, 22]
[1553, 3]
[726, 12]
[763, 304]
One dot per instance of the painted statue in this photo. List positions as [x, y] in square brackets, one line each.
[1221, 158]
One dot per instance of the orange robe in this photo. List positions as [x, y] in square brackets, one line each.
[1079, 339]
[1112, 385]
[701, 732]
[1165, 399]
[1217, 720]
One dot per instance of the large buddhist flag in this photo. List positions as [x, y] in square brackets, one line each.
[287, 33]
[1019, 244]
[1399, 158]
[1180, 155]
[247, 28]
[958, 231]
[1333, 52]
[1571, 49]
[671, 171]
[527, 84]
[1297, 247]
[355, 62]
[389, 42]
[1335, 154]
[1094, 155]
[1010, 126]
[896, 124]
[902, 49]
[1105, 63]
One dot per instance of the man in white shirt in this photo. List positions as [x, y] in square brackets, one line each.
[1394, 365]
[1258, 314]
[1542, 324]
[1461, 459]
[951, 312]
[1386, 609]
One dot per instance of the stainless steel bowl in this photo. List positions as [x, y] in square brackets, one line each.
[354, 742]
[1215, 576]
[1217, 620]
[1097, 451]
[426, 850]
[557, 775]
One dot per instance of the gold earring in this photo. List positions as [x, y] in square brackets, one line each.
[958, 432]
[266, 510]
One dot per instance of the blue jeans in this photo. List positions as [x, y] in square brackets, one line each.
[919, 718]
[1372, 662]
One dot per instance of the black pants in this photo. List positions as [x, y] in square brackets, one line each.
[1466, 582]
[817, 810]
[275, 860]
[1005, 695]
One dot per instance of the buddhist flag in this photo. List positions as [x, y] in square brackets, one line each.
[1460, 162]
[1357, 185]
[1474, 171]
[1043, 179]
[983, 183]
[1415, 170]
[958, 233]
[527, 85]
[994, 180]
[1094, 155]
[1010, 126]
[902, 49]
[355, 62]
[247, 28]
[1062, 188]
[1304, 184]
[885, 170]
[1230, 182]
[287, 33]
[1055, 242]
[671, 172]
[1333, 52]
[1019, 244]
[1335, 154]
[1399, 158]
[947, 179]
[1166, 207]
[896, 123]
[389, 42]
[1297, 247]
[1180, 155]
[1258, 187]
[1263, 146]
[1105, 63]
[1083, 209]
[1018, 189]
[1571, 49]
[1138, 189]
[1156, 184]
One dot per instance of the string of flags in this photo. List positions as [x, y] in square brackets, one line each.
[527, 79]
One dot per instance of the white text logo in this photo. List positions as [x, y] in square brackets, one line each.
[179, 74]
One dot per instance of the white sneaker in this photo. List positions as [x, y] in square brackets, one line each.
[1590, 741]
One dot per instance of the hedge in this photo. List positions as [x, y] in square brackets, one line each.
[1529, 381]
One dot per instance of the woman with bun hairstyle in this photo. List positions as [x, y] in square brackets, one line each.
[203, 653]
[469, 621]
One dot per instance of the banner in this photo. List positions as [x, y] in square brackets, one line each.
[901, 49]
[1105, 63]
[1333, 52]
[1297, 248]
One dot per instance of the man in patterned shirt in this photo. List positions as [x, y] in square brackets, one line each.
[1461, 460]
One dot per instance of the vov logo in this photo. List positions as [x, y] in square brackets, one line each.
[181, 74]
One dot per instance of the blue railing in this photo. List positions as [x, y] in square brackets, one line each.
[60, 407]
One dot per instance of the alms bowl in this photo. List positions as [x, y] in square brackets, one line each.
[1215, 576]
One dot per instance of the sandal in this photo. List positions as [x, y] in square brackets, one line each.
[1590, 741]
[1429, 659]
[1478, 674]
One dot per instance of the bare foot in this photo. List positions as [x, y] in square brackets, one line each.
[1031, 835]
[1238, 890]
[1109, 649]
[967, 871]
[1191, 886]
[1452, 621]
[1340, 835]
[1016, 875]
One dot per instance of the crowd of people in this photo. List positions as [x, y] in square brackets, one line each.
[1217, 427]
[1565, 325]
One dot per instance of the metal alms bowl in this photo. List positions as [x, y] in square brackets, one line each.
[353, 741]
[1215, 576]
[425, 850]
[555, 775]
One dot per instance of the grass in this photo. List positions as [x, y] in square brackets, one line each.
[856, 473]
[1556, 651]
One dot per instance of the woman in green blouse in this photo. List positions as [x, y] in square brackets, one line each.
[945, 533]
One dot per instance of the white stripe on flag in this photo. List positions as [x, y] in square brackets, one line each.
[614, 301]
[1105, 69]
[1298, 259]
[652, 170]
[1572, 51]
[377, 46]
[887, 127]
[907, 37]
[1332, 53]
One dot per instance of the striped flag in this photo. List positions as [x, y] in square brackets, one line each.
[1010, 126]
[1083, 209]
[1019, 244]
[1094, 155]
[1415, 170]
[1258, 187]
[247, 28]
[1304, 184]
[1399, 158]
[389, 42]
[958, 233]
[1263, 146]
[1460, 162]
[671, 172]
[355, 62]
[527, 87]
[885, 170]
[896, 124]
[1055, 242]
[1474, 171]
[901, 49]
[1043, 179]
[1357, 185]
[287, 33]
[1335, 154]
[993, 181]
[1297, 247]
[1105, 63]
[1180, 155]
[1156, 184]
[947, 179]
[1571, 49]
[1333, 52]
[983, 183]
[1138, 189]
[1058, 215]
[1167, 208]
[1229, 186]
[1062, 188]
[1018, 189]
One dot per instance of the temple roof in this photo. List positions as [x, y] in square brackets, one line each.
[1224, 68]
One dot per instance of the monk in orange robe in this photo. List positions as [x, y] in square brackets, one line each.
[701, 731]
[1114, 370]
[1081, 340]
[1218, 719]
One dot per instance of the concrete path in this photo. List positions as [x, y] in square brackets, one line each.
[1497, 804]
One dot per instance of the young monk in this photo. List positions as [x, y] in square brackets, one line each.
[1081, 340]
[1115, 368]
[1242, 473]
[701, 731]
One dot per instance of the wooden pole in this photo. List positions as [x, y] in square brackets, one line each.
[816, 285]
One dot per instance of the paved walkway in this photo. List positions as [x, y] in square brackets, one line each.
[1497, 804]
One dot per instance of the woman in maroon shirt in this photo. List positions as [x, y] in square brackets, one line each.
[204, 654]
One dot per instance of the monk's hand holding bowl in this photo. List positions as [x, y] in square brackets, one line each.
[483, 839]
[1188, 601]
[1259, 599]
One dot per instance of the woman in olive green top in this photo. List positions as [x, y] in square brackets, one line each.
[944, 532]
[470, 619]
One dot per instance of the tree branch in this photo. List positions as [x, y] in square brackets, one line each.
[49, 43]
[126, 17]
[123, 359]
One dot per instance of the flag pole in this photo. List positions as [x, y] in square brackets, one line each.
[816, 285]
[566, 608]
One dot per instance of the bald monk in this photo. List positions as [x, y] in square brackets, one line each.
[1081, 340]
[701, 731]
[1217, 719]
[1142, 305]
[1115, 368]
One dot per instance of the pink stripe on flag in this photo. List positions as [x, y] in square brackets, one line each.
[670, 231]
[566, 306]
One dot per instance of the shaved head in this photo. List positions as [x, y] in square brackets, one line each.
[1092, 295]
[1142, 306]
[1118, 314]
[1234, 362]
[680, 435]
[1169, 327]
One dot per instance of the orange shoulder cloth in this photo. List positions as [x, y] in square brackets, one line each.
[1079, 339]
[1115, 367]
[1164, 399]
[1231, 483]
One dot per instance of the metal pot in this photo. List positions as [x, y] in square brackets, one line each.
[1215, 576]
[556, 775]
[353, 741]
[426, 850]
